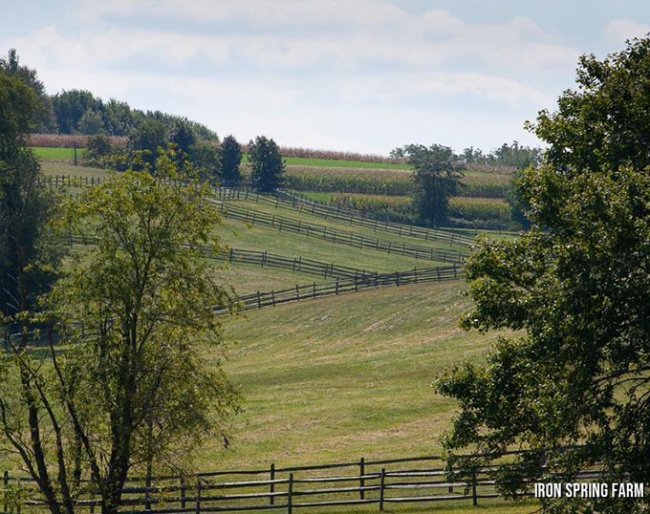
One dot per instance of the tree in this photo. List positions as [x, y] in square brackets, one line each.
[435, 178]
[572, 385]
[204, 156]
[267, 166]
[144, 142]
[98, 151]
[70, 107]
[127, 391]
[231, 156]
[182, 135]
[42, 114]
[27, 255]
[604, 123]
[91, 123]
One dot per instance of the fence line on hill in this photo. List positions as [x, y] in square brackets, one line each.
[303, 204]
[318, 231]
[260, 300]
[269, 260]
[336, 236]
[361, 482]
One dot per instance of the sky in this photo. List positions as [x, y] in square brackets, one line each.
[362, 76]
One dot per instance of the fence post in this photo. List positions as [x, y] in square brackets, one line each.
[197, 508]
[382, 485]
[5, 487]
[183, 493]
[147, 498]
[272, 497]
[362, 473]
[290, 495]
[474, 495]
[259, 301]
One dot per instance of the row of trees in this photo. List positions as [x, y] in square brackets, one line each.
[569, 381]
[222, 163]
[512, 155]
[116, 385]
[80, 112]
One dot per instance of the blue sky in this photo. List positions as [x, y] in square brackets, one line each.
[351, 75]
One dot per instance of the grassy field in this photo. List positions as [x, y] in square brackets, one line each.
[338, 378]
[346, 377]
[58, 154]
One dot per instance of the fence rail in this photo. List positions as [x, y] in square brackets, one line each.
[260, 300]
[380, 483]
[301, 203]
[310, 230]
[268, 260]
[336, 236]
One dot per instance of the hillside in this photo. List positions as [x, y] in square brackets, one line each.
[345, 375]
[331, 379]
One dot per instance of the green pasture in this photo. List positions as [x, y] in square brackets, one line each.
[485, 507]
[336, 379]
[287, 211]
[58, 154]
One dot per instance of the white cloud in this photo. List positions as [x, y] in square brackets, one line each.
[619, 31]
[299, 33]
[328, 70]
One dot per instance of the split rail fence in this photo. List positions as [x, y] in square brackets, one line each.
[381, 483]
[269, 260]
[255, 217]
[260, 300]
[301, 203]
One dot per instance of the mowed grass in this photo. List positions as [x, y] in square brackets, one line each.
[58, 154]
[337, 379]
[285, 210]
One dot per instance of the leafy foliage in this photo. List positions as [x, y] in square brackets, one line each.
[129, 386]
[267, 166]
[436, 179]
[572, 385]
[231, 156]
[26, 252]
[604, 124]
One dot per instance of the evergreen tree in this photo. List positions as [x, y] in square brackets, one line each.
[230, 157]
[267, 166]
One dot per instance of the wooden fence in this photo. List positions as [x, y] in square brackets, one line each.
[260, 300]
[268, 260]
[336, 236]
[381, 483]
[301, 203]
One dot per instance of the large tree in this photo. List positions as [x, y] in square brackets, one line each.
[230, 160]
[126, 390]
[604, 122]
[571, 385]
[25, 254]
[435, 179]
[267, 165]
